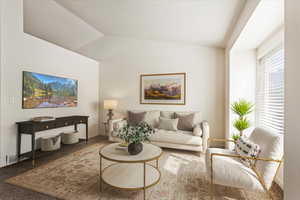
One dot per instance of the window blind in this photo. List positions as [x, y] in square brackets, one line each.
[270, 91]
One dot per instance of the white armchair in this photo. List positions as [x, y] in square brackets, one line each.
[225, 168]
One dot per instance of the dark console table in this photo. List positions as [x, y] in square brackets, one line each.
[31, 127]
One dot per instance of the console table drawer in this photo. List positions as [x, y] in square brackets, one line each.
[44, 126]
[64, 123]
[81, 120]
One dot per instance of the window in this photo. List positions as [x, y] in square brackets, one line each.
[270, 91]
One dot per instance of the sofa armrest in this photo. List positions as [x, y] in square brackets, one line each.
[205, 135]
[114, 125]
[197, 130]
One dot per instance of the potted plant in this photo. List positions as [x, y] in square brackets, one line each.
[135, 135]
[242, 108]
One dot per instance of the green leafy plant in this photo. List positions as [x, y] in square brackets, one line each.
[136, 134]
[235, 137]
[241, 124]
[242, 108]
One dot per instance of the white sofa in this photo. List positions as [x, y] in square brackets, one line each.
[180, 139]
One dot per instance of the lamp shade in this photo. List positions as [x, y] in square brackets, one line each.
[110, 104]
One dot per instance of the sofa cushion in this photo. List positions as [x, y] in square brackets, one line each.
[134, 118]
[167, 114]
[185, 121]
[168, 124]
[197, 117]
[230, 171]
[176, 137]
[152, 118]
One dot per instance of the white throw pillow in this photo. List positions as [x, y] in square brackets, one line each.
[168, 124]
[152, 118]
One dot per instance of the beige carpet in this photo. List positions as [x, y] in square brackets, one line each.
[76, 176]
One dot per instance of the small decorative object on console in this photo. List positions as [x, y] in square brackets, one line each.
[135, 135]
[43, 119]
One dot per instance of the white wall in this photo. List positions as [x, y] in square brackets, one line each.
[1, 42]
[292, 100]
[244, 18]
[242, 83]
[25, 52]
[121, 70]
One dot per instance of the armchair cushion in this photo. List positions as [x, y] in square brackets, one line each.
[271, 145]
[231, 171]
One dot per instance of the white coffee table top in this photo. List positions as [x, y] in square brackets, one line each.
[150, 152]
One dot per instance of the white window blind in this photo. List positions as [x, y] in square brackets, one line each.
[270, 91]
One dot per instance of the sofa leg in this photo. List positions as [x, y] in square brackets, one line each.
[211, 179]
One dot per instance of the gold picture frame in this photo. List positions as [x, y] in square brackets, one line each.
[163, 89]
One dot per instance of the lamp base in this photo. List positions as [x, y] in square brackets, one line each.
[110, 114]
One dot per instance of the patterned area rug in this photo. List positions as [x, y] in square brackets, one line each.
[76, 177]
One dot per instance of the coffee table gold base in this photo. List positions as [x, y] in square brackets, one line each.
[130, 172]
[129, 176]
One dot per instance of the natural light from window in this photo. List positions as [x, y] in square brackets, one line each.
[270, 91]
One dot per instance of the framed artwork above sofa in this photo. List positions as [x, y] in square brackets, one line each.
[166, 89]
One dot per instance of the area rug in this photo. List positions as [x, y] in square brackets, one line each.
[76, 177]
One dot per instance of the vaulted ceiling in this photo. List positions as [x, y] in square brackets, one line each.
[93, 26]
[75, 23]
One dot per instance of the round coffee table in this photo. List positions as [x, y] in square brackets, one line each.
[130, 172]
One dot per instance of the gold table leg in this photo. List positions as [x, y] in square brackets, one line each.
[144, 180]
[100, 173]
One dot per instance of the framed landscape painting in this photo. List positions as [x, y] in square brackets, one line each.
[47, 91]
[167, 89]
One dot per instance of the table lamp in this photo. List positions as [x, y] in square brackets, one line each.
[110, 105]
